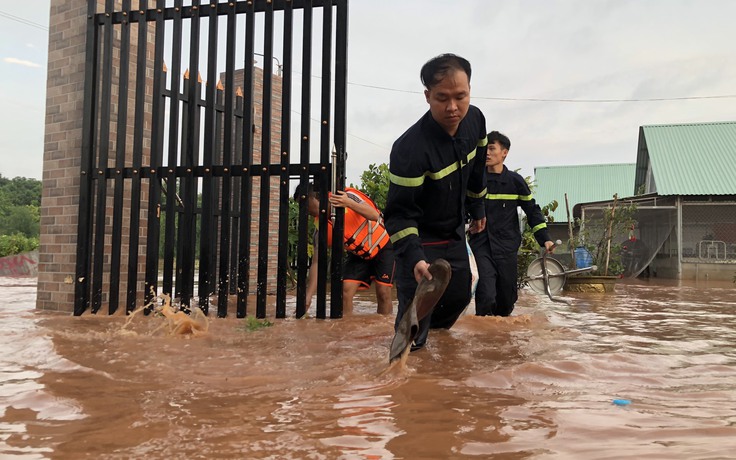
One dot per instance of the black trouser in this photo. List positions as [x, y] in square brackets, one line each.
[496, 293]
[456, 296]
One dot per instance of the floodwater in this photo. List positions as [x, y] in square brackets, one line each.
[538, 385]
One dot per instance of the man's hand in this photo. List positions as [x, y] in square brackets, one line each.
[549, 246]
[339, 199]
[421, 270]
[477, 226]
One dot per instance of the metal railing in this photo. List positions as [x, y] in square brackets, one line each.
[169, 163]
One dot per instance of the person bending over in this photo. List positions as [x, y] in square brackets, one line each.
[369, 253]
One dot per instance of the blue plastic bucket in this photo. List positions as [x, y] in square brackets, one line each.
[583, 257]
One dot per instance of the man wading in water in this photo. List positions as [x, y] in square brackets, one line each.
[436, 175]
[495, 248]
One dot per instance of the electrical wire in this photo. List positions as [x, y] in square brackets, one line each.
[487, 98]
[535, 99]
[23, 21]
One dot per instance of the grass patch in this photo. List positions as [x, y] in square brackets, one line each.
[251, 323]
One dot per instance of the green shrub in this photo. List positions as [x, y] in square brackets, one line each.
[20, 219]
[16, 244]
[600, 229]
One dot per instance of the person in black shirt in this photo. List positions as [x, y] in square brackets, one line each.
[495, 249]
[436, 179]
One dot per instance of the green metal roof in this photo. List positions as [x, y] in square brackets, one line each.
[582, 183]
[687, 159]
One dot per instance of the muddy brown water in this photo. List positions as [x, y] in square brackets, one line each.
[537, 385]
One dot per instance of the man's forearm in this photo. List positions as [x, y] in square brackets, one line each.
[364, 210]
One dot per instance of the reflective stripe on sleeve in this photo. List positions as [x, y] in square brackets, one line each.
[404, 233]
[406, 181]
[477, 195]
[539, 227]
[501, 196]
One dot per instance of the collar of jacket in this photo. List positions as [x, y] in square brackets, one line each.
[503, 176]
[431, 126]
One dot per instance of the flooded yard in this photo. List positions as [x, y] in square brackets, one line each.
[648, 371]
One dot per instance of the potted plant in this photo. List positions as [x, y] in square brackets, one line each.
[598, 244]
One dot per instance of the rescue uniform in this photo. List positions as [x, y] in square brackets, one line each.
[432, 174]
[369, 253]
[496, 248]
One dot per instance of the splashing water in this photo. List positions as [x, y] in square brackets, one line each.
[176, 320]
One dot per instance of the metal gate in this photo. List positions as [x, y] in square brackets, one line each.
[175, 171]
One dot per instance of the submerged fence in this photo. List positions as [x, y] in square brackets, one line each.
[188, 159]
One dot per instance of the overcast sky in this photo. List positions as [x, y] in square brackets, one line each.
[569, 82]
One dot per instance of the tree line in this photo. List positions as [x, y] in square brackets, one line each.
[20, 202]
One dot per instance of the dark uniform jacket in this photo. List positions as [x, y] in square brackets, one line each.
[431, 176]
[506, 191]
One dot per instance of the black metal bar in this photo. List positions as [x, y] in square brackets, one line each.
[120, 149]
[217, 182]
[222, 289]
[135, 195]
[191, 155]
[246, 185]
[240, 6]
[301, 309]
[206, 246]
[339, 136]
[157, 151]
[171, 186]
[220, 9]
[101, 200]
[265, 199]
[324, 155]
[235, 220]
[285, 159]
[82, 266]
[195, 182]
[180, 174]
[238, 170]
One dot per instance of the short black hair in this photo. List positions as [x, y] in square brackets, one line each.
[501, 138]
[303, 190]
[438, 67]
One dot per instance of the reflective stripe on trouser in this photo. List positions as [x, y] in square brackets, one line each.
[456, 296]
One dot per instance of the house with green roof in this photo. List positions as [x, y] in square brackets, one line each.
[579, 184]
[582, 184]
[697, 159]
[685, 193]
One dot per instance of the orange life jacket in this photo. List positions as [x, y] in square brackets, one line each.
[363, 237]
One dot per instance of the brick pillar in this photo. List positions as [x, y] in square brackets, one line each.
[62, 154]
[63, 150]
[273, 217]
